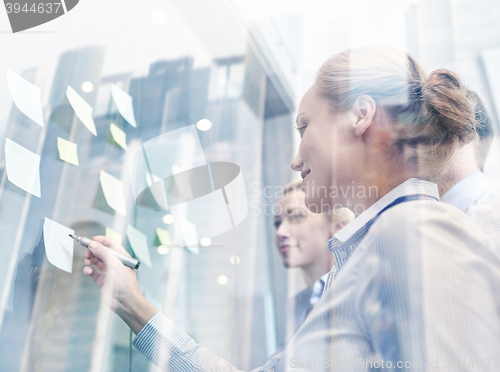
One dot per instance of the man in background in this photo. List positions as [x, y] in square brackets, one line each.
[464, 185]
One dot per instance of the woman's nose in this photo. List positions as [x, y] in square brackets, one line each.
[297, 163]
[282, 231]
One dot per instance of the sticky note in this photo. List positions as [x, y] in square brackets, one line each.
[118, 136]
[113, 192]
[82, 109]
[26, 96]
[124, 104]
[23, 167]
[112, 234]
[162, 237]
[139, 243]
[138, 171]
[58, 245]
[67, 151]
[181, 147]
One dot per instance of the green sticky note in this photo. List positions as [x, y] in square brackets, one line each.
[162, 237]
[118, 136]
[139, 243]
[67, 151]
[112, 234]
[112, 188]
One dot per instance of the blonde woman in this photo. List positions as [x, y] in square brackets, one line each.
[302, 238]
[415, 285]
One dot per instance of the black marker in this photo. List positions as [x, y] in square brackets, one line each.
[127, 261]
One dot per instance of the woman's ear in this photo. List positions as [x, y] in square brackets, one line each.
[364, 109]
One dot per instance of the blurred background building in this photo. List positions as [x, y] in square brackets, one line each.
[241, 64]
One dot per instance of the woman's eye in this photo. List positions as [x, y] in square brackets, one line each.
[301, 129]
[277, 224]
[296, 217]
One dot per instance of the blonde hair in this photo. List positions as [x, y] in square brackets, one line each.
[431, 115]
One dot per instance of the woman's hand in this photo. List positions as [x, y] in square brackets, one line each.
[117, 283]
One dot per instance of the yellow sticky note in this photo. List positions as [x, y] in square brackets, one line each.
[139, 243]
[163, 237]
[67, 151]
[113, 192]
[119, 136]
[113, 235]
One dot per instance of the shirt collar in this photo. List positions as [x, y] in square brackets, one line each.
[413, 186]
[465, 193]
[318, 287]
[324, 277]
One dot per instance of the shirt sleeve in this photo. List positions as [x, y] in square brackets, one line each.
[171, 349]
[428, 290]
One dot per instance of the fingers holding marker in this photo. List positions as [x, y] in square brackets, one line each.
[101, 252]
[88, 255]
[94, 261]
[89, 271]
[110, 243]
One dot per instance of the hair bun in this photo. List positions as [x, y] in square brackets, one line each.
[445, 97]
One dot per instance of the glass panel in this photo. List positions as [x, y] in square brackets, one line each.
[242, 65]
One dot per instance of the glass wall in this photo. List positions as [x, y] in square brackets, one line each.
[241, 64]
[54, 320]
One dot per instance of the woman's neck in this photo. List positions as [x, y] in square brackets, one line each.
[317, 269]
[375, 189]
[462, 164]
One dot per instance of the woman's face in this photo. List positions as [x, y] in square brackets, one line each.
[301, 236]
[330, 154]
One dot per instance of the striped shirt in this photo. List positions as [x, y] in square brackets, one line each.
[476, 197]
[414, 283]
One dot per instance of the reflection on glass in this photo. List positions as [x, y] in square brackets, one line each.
[23, 167]
[124, 103]
[204, 125]
[205, 242]
[26, 96]
[168, 219]
[87, 87]
[82, 109]
[235, 260]
[163, 249]
[222, 279]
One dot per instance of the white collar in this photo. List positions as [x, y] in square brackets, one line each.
[465, 192]
[413, 186]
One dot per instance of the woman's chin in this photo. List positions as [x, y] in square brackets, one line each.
[318, 205]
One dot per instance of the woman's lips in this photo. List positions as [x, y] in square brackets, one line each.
[304, 174]
[305, 178]
[285, 248]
